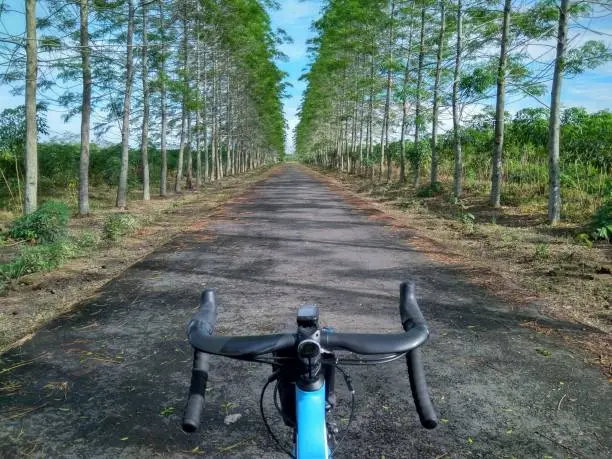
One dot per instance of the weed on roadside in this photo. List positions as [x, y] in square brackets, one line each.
[119, 225]
[49, 223]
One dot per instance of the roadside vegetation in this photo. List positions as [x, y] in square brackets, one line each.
[41, 280]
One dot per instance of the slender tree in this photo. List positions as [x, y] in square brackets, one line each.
[418, 121]
[436, 98]
[31, 154]
[496, 160]
[127, 101]
[144, 138]
[457, 181]
[554, 174]
[85, 109]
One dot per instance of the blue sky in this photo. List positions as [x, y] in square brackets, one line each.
[295, 17]
[592, 90]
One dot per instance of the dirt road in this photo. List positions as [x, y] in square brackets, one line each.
[110, 379]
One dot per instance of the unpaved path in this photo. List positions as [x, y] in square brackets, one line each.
[110, 379]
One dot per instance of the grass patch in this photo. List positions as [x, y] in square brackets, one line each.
[43, 257]
[119, 225]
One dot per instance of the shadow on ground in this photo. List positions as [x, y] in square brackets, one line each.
[110, 379]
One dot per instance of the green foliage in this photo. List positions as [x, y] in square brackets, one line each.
[467, 218]
[118, 225]
[429, 190]
[49, 223]
[87, 240]
[590, 55]
[601, 224]
[13, 128]
[42, 257]
[584, 239]
[542, 251]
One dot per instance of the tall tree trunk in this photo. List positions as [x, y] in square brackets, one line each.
[361, 120]
[198, 88]
[180, 160]
[205, 127]
[384, 138]
[436, 100]
[85, 110]
[417, 120]
[402, 177]
[554, 124]
[371, 116]
[144, 139]
[31, 153]
[496, 160]
[189, 152]
[127, 101]
[230, 164]
[215, 127]
[164, 110]
[457, 188]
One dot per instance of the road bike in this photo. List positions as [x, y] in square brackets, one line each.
[304, 368]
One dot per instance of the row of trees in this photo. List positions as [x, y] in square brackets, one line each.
[394, 69]
[197, 73]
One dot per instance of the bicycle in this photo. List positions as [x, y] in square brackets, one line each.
[304, 367]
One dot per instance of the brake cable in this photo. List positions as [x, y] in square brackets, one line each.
[272, 378]
[349, 385]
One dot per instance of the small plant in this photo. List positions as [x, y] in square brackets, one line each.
[87, 240]
[542, 251]
[584, 239]
[49, 223]
[42, 257]
[118, 225]
[601, 224]
[467, 218]
[428, 191]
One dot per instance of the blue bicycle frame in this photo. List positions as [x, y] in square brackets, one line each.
[311, 426]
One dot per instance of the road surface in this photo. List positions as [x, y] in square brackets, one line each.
[110, 379]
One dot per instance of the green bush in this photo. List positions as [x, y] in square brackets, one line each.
[429, 191]
[87, 240]
[49, 223]
[43, 257]
[601, 224]
[542, 251]
[120, 224]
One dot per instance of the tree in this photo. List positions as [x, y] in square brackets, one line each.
[85, 108]
[144, 138]
[496, 161]
[127, 101]
[418, 115]
[436, 98]
[457, 184]
[31, 154]
[574, 61]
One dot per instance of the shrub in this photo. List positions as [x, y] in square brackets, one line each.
[47, 256]
[120, 224]
[49, 223]
[42, 257]
[542, 251]
[428, 191]
[601, 224]
[87, 240]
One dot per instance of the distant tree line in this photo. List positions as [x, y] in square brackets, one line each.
[384, 72]
[198, 75]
